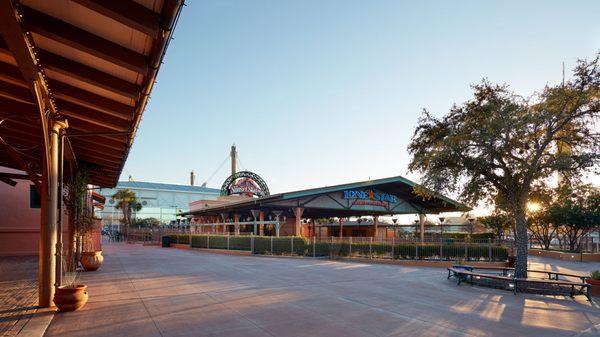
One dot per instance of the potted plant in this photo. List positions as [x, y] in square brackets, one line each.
[594, 280]
[70, 296]
[91, 257]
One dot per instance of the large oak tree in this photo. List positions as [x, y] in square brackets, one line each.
[499, 145]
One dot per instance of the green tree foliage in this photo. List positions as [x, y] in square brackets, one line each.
[146, 222]
[575, 215]
[499, 145]
[498, 223]
[127, 202]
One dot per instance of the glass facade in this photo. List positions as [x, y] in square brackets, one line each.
[160, 201]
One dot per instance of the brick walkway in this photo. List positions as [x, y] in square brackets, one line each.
[152, 291]
[18, 293]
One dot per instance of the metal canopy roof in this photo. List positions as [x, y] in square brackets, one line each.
[309, 200]
[94, 63]
[167, 187]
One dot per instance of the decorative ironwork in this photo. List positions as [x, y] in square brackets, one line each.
[231, 186]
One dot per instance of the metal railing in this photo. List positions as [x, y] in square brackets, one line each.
[350, 247]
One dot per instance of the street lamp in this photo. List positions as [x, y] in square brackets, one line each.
[471, 226]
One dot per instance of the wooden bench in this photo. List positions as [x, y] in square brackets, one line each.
[552, 275]
[577, 288]
[464, 275]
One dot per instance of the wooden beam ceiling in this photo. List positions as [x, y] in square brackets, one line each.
[89, 75]
[128, 13]
[76, 37]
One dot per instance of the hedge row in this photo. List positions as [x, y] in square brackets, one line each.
[304, 247]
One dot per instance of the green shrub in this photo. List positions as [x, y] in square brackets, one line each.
[595, 275]
[304, 247]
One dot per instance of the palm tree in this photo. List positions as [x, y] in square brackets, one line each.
[127, 202]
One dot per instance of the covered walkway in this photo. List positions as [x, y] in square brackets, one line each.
[151, 291]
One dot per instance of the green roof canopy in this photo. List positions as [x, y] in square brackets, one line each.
[387, 196]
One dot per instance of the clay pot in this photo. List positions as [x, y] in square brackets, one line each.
[92, 260]
[595, 288]
[70, 298]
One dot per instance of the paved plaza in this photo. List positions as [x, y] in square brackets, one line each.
[18, 293]
[152, 291]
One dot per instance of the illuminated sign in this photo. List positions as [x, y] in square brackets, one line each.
[246, 186]
[370, 197]
[245, 183]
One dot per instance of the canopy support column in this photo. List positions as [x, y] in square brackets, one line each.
[298, 215]
[261, 219]
[236, 220]
[422, 227]
[47, 273]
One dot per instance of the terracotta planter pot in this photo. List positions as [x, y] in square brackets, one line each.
[71, 298]
[595, 289]
[92, 260]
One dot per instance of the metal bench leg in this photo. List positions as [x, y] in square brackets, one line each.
[572, 291]
[515, 287]
[588, 294]
[449, 274]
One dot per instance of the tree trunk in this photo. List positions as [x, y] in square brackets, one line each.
[521, 241]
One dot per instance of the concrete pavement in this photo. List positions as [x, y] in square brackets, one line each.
[152, 291]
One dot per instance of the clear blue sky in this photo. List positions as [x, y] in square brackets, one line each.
[323, 92]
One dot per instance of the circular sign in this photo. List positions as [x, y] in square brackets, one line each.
[245, 183]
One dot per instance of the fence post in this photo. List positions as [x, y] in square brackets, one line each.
[441, 248]
[371, 247]
[466, 254]
[490, 248]
[292, 245]
[271, 244]
[350, 248]
[393, 243]
[314, 244]
[252, 243]
[416, 251]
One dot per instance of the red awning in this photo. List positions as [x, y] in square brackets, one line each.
[99, 198]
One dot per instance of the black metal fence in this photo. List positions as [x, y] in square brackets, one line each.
[332, 247]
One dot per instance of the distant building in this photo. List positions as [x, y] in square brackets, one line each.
[158, 200]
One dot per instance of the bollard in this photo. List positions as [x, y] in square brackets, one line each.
[370, 247]
[207, 241]
[416, 251]
[393, 244]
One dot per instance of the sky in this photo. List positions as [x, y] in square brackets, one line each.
[316, 93]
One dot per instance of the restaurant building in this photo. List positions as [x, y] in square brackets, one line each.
[317, 211]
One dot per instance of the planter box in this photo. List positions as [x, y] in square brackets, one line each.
[585, 257]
